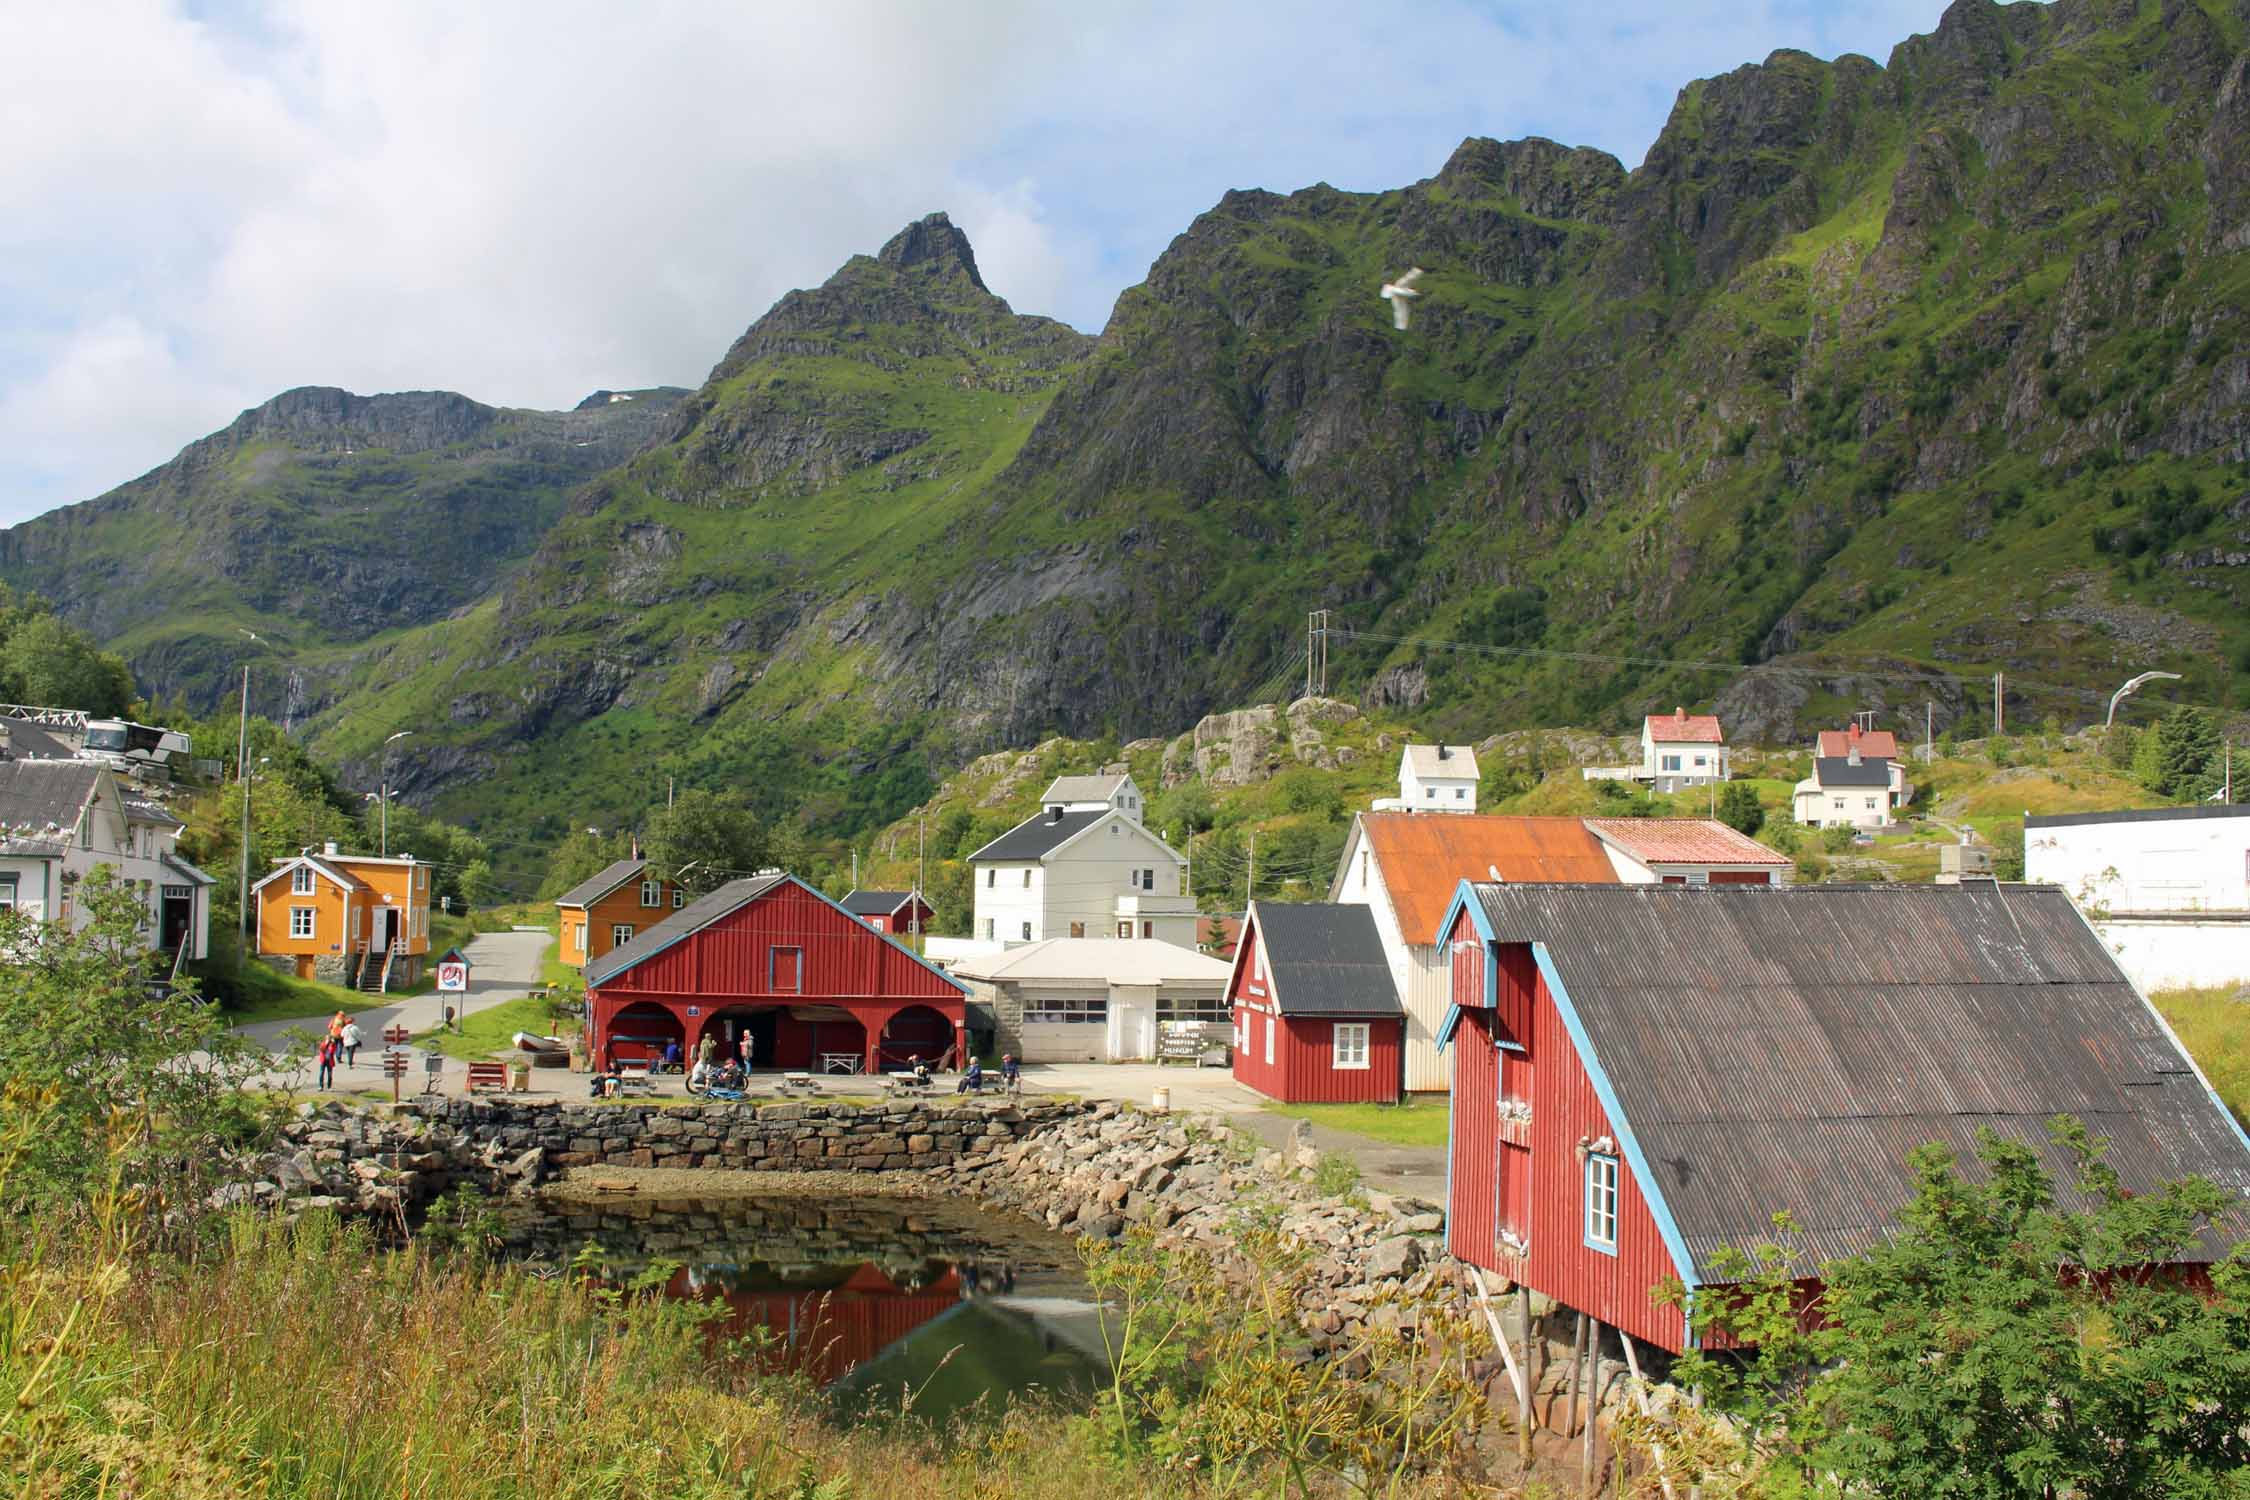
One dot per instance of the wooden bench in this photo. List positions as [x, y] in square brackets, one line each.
[485, 1075]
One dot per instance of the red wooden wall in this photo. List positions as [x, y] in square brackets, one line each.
[733, 958]
[1550, 1188]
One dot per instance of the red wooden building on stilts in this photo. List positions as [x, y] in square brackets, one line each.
[810, 984]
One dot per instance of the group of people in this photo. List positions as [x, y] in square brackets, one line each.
[973, 1080]
[712, 1071]
[341, 1043]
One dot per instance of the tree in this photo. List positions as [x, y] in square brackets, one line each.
[120, 1075]
[2177, 756]
[705, 839]
[1740, 809]
[48, 662]
[580, 857]
[1998, 1345]
[477, 887]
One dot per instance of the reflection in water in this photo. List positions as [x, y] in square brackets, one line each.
[874, 1298]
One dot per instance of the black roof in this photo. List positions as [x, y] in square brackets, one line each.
[611, 876]
[29, 741]
[732, 896]
[2143, 815]
[875, 903]
[1785, 1047]
[1325, 959]
[1837, 770]
[1035, 836]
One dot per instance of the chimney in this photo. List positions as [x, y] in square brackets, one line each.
[1442, 752]
[1679, 714]
[1852, 756]
[1054, 814]
[329, 848]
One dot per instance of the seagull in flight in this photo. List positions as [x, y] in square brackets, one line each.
[1400, 292]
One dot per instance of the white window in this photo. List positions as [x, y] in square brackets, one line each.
[1839, 804]
[1148, 880]
[1210, 1010]
[300, 881]
[1428, 793]
[301, 921]
[1027, 879]
[1269, 1041]
[1066, 1009]
[620, 934]
[7, 893]
[1460, 794]
[991, 879]
[1351, 1044]
[1871, 804]
[1601, 1202]
[1027, 932]
[1115, 829]
[1124, 929]
[1699, 877]
[578, 938]
[679, 897]
[988, 929]
[1700, 762]
[1671, 763]
[652, 893]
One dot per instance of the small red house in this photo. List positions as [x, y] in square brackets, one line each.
[1644, 1075]
[813, 986]
[1316, 1012]
[891, 911]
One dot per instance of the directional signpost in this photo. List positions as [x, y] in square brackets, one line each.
[395, 1058]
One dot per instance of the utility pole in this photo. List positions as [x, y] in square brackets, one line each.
[1929, 732]
[1316, 653]
[242, 776]
[855, 867]
[386, 789]
[1250, 881]
[920, 850]
[668, 790]
[1999, 704]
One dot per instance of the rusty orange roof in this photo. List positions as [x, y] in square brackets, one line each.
[1426, 856]
[1835, 744]
[1684, 841]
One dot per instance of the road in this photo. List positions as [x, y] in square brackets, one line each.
[502, 966]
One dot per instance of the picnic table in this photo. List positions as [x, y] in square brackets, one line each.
[910, 1083]
[799, 1083]
[632, 1078]
[839, 1062]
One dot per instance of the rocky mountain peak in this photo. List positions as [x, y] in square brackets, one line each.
[407, 421]
[935, 241]
[1547, 178]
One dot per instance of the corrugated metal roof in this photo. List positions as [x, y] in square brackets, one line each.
[1837, 770]
[732, 896]
[1425, 857]
[36, 795]
[1834, 744]
[1784, 1048]
[1681, 727]
[29, 741]
[1325, 959]
[1685, 841]
[1096, 961]
[1081, 789]
[1035, 836]
[608, 879]
[2140, 815]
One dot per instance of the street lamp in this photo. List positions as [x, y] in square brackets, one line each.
[249, 780]
[402, 734]
[2127, 691]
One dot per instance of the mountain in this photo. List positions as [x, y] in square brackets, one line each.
[1869, 381]
[316, 519]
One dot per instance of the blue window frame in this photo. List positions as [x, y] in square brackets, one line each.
[1601, 1203]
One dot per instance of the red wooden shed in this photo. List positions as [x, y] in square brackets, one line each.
[810, 984]
[891, 911]
[1644, 1075]
[1316, 1012]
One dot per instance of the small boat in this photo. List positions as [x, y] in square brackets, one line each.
[530, 1043]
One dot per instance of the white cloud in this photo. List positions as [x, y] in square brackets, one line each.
[524, 201]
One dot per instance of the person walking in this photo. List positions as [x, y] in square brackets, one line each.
[749, 1047]
[336, 1026]
[327, 1056]
[350, 1038]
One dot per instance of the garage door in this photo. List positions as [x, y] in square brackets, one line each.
[1065, 1024]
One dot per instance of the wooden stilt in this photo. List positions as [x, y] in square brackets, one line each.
[1519, 1374]
[1523, 1412]
[1593, 1408]
[1577, 1374]
[1640, 1392]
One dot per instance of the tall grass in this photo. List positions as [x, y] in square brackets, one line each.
[2215, 1026]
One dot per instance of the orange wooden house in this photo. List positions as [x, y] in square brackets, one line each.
[360, 920]
[606, 911]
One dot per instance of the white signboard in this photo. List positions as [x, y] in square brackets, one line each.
[453, 977]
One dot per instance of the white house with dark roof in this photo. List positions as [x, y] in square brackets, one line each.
[1434, 778]
[1857, 780]
[61, 819]
[1083, 866]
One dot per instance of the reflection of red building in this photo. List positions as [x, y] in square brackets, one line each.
[826, 1331]
[773, 959]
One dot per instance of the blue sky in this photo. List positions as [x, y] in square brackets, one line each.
[206, 204]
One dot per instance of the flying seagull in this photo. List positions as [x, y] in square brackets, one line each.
[1400, 292]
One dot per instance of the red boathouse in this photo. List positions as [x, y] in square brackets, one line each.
[1316, 1012]
[1644, 1075]
[812, 985]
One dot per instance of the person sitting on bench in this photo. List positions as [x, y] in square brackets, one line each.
[921, 1070]
[601, 1086]
[699, 1077]
[671, 1056]
[972, 1078]
[1011, 1072]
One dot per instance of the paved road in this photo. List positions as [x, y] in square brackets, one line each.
[502, 966]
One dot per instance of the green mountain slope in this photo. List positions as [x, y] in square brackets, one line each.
[318, 518]
[1869, 381]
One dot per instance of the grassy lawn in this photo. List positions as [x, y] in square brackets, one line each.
[488, 1031]
[1416, 1123]
[291, 999]
[2215, 1025]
